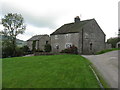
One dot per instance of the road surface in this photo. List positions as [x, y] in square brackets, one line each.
[107, 65]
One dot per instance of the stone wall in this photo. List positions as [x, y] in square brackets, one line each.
[43, 41]
[29, 44]
[89, 40]
[62, 41]
[93, 38]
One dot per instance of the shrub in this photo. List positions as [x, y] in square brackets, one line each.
[72, 50]
[47, 48]
[25, 49]
[38, 50]
[113, 41]
[19, 51]
[7, 49]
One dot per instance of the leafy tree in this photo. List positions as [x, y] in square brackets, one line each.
[13, 25]
[113, 41]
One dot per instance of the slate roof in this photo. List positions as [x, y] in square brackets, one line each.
[36, 37]
[71, 27]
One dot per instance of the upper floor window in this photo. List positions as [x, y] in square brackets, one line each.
[86, 36]
[56, 36]
[67, 35]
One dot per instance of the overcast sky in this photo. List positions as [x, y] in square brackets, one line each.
[45, 16]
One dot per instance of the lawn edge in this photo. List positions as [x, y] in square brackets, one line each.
[96, 76]
[100, 76]
[106, 51]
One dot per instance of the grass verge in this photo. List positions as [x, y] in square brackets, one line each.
[99, 75]
[103, 82]
[55, 71]
[107, 50]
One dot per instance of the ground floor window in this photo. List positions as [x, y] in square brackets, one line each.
[68, 45]
[90, 46]
[46, 42]
[57, 46]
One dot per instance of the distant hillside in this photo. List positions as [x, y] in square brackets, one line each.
[19, 42]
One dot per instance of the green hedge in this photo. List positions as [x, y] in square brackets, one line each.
[107, 50]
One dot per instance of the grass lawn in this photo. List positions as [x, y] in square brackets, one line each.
[0, 74]
[55, 71]
[107, 50]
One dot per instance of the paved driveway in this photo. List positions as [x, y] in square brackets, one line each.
[107, 65]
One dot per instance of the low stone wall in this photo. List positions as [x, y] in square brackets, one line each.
[47, 53]
[108, 46]
[42, 53]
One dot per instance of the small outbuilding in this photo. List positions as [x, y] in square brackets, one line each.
[38, 42]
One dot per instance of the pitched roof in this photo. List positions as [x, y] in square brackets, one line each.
[71, 27]
[36, 37]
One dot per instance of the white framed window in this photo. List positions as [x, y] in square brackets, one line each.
[67, 35]
[56, 36]
[56, 46]
[86, 36]
[68, 45]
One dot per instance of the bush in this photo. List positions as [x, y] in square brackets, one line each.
[47, 48]
[19, 51]
[7, 49]
[113, 41]
[72, 50]
[38, 50]
[25, 49]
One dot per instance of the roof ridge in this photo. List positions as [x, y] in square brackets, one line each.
[80, 21]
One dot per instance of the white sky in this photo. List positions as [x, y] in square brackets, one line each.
[45, 16]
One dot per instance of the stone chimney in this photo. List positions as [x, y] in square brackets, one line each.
[76, 19]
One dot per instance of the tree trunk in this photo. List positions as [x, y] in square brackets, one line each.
[14, 46]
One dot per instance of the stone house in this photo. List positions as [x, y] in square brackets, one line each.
[86, 35]
[39, 40]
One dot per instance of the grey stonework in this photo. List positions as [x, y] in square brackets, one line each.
[108, 46]
[87, 36]
[41, 41]
[60, 42]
